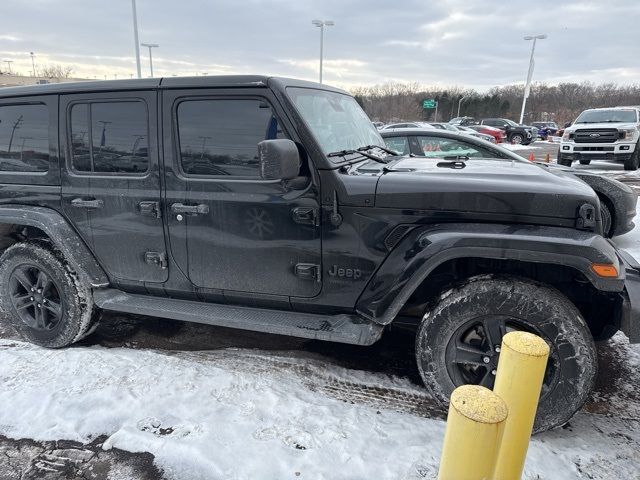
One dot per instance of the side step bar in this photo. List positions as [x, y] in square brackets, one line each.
[335, 328]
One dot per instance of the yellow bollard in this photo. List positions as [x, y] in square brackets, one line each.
[523, 359]
[474, 427]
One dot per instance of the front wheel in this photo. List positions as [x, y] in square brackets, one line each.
[562, 160]
[458, 342]
[633, 162]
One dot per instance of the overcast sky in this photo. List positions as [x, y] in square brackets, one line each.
[444, 42]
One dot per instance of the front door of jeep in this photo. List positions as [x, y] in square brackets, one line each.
[230, 230]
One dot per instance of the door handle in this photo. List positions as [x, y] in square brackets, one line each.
[200, 209]
[84, 203]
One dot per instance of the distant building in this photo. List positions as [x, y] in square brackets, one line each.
[9, 80]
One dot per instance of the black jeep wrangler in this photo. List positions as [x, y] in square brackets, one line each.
[271, 204]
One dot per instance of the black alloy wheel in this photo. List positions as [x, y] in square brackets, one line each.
[474, 350]
[35, 297]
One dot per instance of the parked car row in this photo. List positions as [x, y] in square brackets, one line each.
[488, 134]
[495, 130]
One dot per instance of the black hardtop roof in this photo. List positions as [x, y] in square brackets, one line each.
[212, 81]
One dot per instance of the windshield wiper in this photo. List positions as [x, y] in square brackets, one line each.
[371, 147]
[343, 153]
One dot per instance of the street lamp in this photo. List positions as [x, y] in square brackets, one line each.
[460, 103]
[150, 46]
[135, 37]
[33, 63]
[322, 24]
[530, 73]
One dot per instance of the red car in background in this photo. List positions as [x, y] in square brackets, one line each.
[496, 133]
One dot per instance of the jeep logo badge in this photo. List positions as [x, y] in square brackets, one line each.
[594, 135]
[340, 272]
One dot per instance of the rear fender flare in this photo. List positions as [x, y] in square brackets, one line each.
[62, 235]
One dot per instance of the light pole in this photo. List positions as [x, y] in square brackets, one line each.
[527, 85]
[135, 37]
[9, 62]
[460, 103]
[322, 24]
[33, 63]
[150, 46]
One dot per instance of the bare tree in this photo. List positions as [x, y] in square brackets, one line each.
[56, 71]
[562, 103]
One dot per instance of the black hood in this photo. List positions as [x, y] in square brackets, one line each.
[503, 190]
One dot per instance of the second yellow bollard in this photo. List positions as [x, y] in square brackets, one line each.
[523, 360]
[474, 428]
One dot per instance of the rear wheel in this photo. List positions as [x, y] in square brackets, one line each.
[516, 138]
[46, 302]
[458, 342]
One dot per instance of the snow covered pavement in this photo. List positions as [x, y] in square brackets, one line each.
[248, 414]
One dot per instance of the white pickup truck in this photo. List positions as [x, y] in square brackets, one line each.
[603, 134]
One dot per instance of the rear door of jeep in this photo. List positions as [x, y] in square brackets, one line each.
[110, 181]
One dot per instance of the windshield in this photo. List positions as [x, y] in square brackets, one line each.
[511, 122]
[335, 119]
[607, 116]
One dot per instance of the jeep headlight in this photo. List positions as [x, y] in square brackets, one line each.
[628, 134]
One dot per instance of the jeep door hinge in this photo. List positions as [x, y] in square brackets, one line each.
[156, 258]
[306, 216]
[150, 209]
[308, 271]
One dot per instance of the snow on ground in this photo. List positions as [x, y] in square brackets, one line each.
[246, 414]
[516, 146]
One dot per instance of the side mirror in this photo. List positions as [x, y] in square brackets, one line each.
[279, 159]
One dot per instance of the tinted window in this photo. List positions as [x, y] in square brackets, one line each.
[110, 137]
[443, 147]
[24, 138]
[220, 137]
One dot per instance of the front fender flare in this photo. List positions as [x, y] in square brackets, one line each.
[423, 249]
[63, 236]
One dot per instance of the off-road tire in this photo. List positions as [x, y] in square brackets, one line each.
[543, 309]
[606, 212]
[77, 319]
[585, 161]
[633, 162]
[564, 161]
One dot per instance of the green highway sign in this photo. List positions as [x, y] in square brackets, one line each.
[429, 103]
